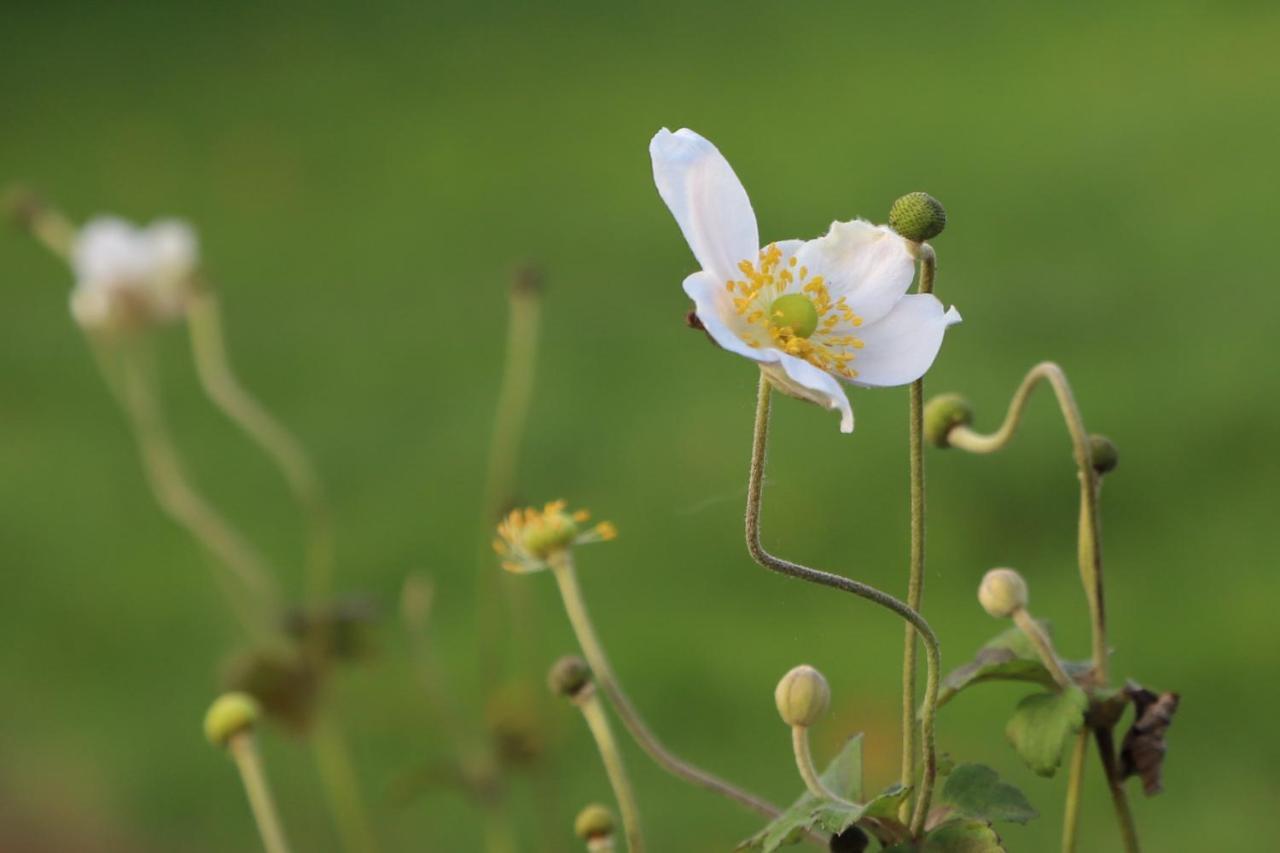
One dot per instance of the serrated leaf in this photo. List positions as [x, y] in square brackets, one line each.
[1009, 656]
[843, 776]
[976, 791]
[963, 836]
[1042, 724]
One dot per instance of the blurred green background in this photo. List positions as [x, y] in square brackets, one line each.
[364, 178]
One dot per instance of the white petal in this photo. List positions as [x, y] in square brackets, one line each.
[714, 307]
[173, 250]
[869, 265]
[900, 348]
[707, 200]
[799, 378]
[108, 249]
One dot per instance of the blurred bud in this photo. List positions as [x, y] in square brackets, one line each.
[230, 714]
[802, 696]
[595, 821]
[22, 206]
[918, 217]
[1002, 593]
[284, 683]
[568, 676]
[527, 280]
[942, 414]
[1104, 454]
[337, 631]
[852, 840]
[512, 716]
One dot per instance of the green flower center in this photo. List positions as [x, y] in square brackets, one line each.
[796, 312]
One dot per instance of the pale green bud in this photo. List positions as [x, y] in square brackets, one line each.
[918, 217]
[942, 414]
[802, 696]
[1002, 593]
[796, 312]
[568, 676]
[595, 821]
[230, 714]
[1103, 453]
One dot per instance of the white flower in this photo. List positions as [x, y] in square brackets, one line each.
[809, 312]
[129, 276]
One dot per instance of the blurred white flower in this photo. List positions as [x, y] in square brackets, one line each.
[128, 276]
[808, 312]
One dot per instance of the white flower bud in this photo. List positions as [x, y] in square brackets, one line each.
[802, 696]
[1002, 593]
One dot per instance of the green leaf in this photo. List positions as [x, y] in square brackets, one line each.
[962, 836]
[975, 791]
[1009, 656]
[1042, 724]
[843, 776]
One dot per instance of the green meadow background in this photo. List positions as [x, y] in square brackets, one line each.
[366, 176]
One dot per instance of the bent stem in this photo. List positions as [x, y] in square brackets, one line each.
[244, 751]
[575, 606]
[593, 712]
[343, 791]
[1119, 799]
[755, 486]
[804, 763]
[1075, 783]
[1043, 645]
[1089, 549]
[213, 366]
[915, 581]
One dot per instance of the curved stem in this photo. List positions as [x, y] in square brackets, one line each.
[1089, 546]
[575, 607]
[1043, 645]
[1075, 783]
[1119, 799]
[245, 752]
[213, 366]
[593, 713]
[755, 487]
[804, 763]
[915, 582]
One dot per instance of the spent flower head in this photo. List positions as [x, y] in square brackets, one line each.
[808, 312]
[529, 538]
[129, 277]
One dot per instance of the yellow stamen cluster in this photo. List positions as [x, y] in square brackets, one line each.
[830, 347]
[528, 537]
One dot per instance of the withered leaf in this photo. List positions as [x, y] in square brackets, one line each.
[1142, 753]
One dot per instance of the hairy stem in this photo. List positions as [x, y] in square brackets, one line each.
[755, 486]
[1075, 784]
[1089, 549]
[598, 723]
[244, 751]
[915, 582]
[576, 608]
[1119, 799]
[1043, 646]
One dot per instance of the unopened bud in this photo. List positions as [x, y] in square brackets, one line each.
[1103, 453]
[1002, 593]
[943, 414]
[802, 696]
[595, 821]
[568, 676]
[918, 217]
[230, 714]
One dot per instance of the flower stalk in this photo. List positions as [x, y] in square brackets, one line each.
[1075, 785]
[808, 772]
[244, 750]
[588, 701]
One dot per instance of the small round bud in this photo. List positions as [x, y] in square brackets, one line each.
[942, 414]
[568, 676]
[802, 696]
[796, 312]
[852, 840]
[1002, 593]
[918, 217]
[595, 821]
[1104, 454]
[230, 714]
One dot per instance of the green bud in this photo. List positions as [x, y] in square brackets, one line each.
[1104, 454]
[796, 311]
[595, 821]
[1002, 593]
[802, 696]
[942, 414]
[230, 714]
[568, 676]
[918, 217]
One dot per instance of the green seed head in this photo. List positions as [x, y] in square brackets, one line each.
[595, 821]
[802, 696]
[942, 414]
[918, 217]
[230, 714]
[568, 676]
[1104, 454]
[1002, 593]
[795, 311]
